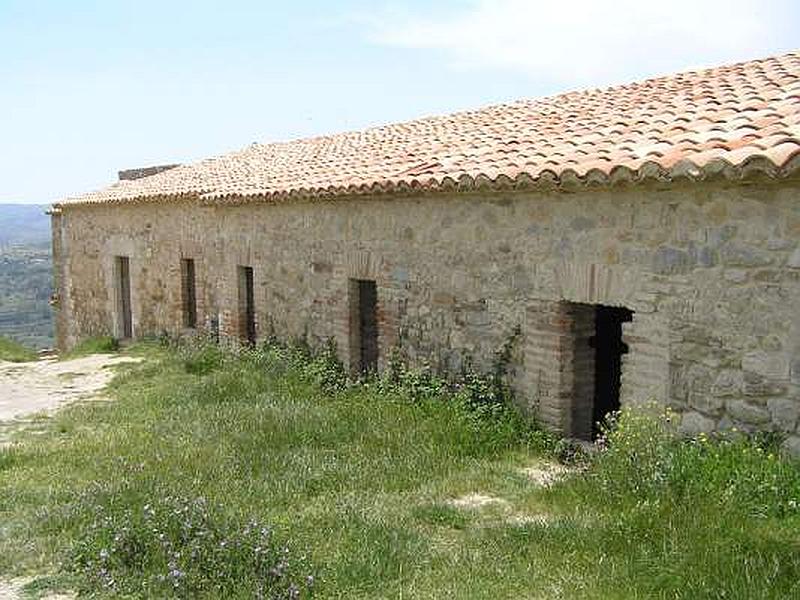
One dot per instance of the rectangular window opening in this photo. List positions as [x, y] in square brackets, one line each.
[247, 309]
[188, 293]
[122, 284]
[363, 325]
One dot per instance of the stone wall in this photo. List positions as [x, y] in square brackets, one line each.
[711, 271]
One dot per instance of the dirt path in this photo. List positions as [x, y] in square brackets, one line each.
[45, 385]
[13, 590]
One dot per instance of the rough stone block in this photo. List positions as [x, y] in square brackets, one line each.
[582, 224]
[757, 385]
[779, 244]
[693, 423]
[794, 259]
[748, 413]
[703, 256]
[706, 403]
[736, 255]
[727, 383]
[443, 299]
[400, 276]
[771, 365]
[791, 446]
[736, 275]
[718, 235]
[668, 260]
[785, 413]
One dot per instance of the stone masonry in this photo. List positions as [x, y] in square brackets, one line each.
[710, 270]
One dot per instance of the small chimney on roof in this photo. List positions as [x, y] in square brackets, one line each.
[130, 174]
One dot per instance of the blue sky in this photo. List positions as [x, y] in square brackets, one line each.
[90, 87]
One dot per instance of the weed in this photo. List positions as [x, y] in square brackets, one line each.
[201, 356]
[184, 548]
[644, 458]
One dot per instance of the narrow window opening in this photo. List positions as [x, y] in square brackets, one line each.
[247, 309]
[123, 292]
[188, 293]
[609, 349]
[364, 325]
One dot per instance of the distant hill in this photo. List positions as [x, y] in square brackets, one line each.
[24, 224]
[25, 275]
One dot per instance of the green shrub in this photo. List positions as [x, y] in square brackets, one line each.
[645, 460]
[322, 368]
[12, 351]
[184, 548]
[638, 446]
[200, 355]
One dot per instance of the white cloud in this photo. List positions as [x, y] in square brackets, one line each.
[592, 42]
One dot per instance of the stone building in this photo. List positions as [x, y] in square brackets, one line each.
[642, 239]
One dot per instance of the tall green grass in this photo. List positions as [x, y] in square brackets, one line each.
[356, 485]
[95, 345]
[12, 351]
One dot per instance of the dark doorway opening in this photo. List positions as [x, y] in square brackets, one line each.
[364, 325]
[188, 293]
[609, 349]
[247, 308]
[122, 267]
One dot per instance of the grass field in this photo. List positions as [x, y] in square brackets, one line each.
[248, 468]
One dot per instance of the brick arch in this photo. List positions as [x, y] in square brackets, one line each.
[595, 283]
[362, 264]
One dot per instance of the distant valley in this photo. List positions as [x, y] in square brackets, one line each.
[25, 275]
[24, 224]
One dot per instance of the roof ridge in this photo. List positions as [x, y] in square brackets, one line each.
[535, 99]
[701, 122]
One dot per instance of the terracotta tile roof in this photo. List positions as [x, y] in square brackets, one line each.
[726, 121]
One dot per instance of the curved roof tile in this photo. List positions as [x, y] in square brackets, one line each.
[722, 121]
